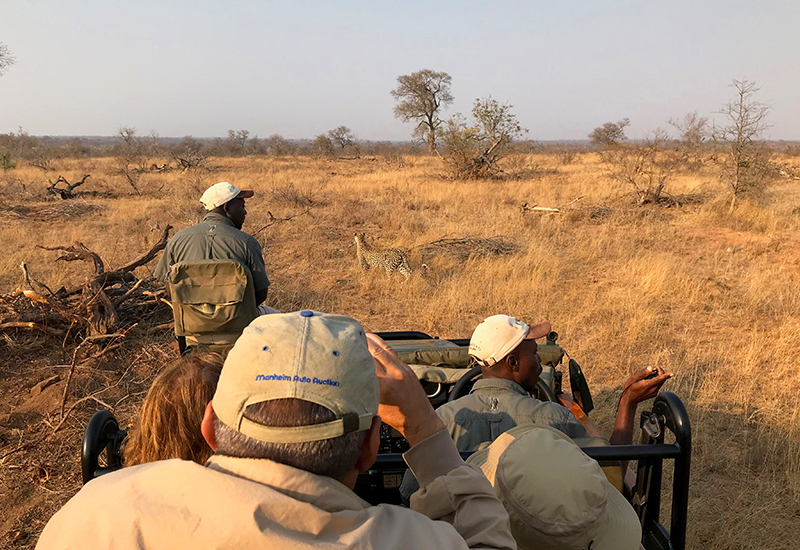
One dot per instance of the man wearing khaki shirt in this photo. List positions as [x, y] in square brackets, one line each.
[295, 418]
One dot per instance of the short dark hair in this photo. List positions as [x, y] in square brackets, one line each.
[333, 458]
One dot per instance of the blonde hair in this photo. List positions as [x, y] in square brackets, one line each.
[169, 422]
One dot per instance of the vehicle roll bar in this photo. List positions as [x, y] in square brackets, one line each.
[101, 434]
[404, 335]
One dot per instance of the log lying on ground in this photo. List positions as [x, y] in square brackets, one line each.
[66, 193]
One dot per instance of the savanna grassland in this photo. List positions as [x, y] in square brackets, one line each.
[710, 295]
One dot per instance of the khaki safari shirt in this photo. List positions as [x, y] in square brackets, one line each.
[250, 503]
[496, 405]
[215, 238]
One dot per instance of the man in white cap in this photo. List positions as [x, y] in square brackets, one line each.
[557, 497]
[295, 417]
[505, 348]
[219, 237]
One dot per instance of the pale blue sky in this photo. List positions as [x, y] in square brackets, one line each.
[299, 68]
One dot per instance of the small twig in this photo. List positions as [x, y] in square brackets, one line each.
[570, 202]
[74, 363]
[128, 294]
[71, 408]
[78, 251]
[165, 326]
[29, 325]
[274, 220]
[20, 448]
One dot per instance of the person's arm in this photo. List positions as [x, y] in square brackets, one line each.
[257, 269]
[636, 389]
[163, 266]
[450, 490]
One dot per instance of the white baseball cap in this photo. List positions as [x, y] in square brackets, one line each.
[222, 192]
[317, 357]
[557, 498]
[498, 335]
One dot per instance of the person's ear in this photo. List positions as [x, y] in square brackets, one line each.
[512, 362]
[207, 427]
[369, 451]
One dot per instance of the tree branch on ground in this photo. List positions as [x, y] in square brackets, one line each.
[66, 193]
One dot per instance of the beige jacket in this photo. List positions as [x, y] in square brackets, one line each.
[247, 503]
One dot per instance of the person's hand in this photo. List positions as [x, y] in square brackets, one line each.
[639, 387]
[403, 403]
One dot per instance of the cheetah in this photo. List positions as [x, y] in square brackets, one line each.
[391, 259]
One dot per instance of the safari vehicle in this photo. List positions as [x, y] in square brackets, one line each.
[446, 372]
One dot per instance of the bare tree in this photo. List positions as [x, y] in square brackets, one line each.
[278, 146]
[473, 152]
[342, 136]
[133, 158]
[421, 96]
[190, 155]
[610, 134]
[745, 162]
[694, 132]
[322, 146]
[6, 58]
[238, 140]
[647, 166]
[42, 155]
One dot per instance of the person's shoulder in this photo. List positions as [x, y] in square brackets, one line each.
[448, 410]
[122, 483]
[162, 469]
[186, 232]
[234, 233]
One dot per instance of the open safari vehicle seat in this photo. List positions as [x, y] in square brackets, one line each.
[212, 301]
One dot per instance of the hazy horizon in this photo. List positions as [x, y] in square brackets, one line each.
[200, 68]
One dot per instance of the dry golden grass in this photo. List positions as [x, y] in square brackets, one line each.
[710, 296]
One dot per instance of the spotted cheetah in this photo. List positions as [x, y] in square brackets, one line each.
[391, 259]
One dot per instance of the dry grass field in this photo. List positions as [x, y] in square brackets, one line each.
[713, 297]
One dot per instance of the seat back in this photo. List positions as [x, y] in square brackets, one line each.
[212, 297]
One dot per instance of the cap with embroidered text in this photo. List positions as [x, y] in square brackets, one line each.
[308, 355]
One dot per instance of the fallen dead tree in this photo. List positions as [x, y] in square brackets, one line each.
[67, 192]
[526, 208]
[466, 247]
[105, 303]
